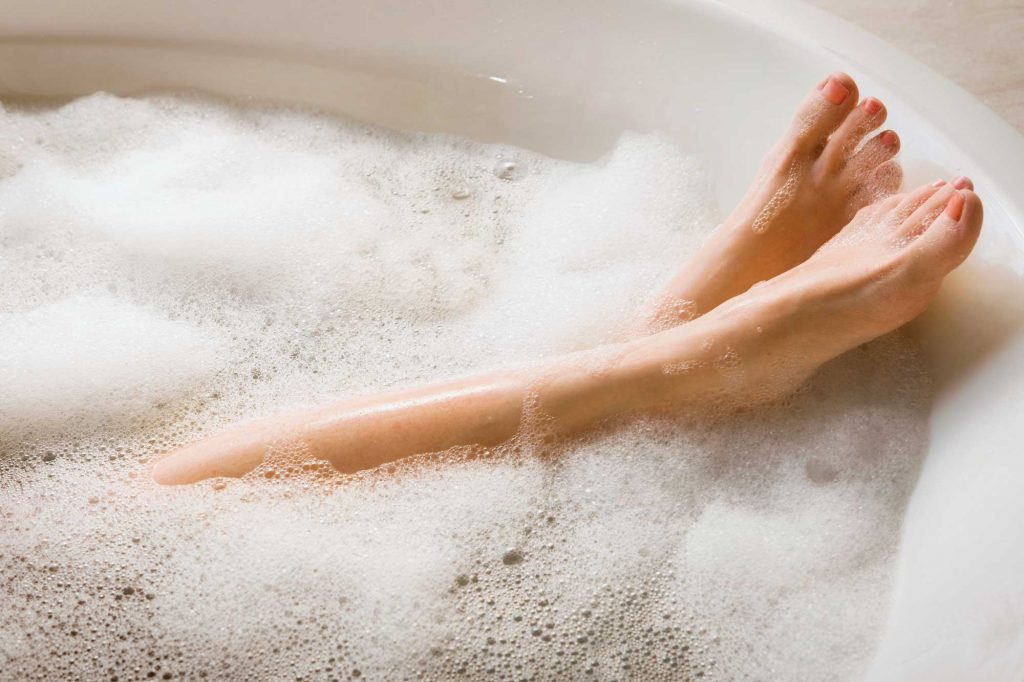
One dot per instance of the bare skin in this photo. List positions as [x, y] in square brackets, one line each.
[760, 344]
[810, 184]
[877, 274]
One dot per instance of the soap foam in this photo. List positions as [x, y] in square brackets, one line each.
[95, 357]
[171, 265]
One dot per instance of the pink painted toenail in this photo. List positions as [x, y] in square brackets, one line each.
[834, 91]
[890, 139]
[939, 183]
[961, 182]
[872, 105]
[955, 207]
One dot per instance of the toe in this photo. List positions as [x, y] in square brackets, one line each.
[879, 188]
[822, 112]
[885, 180]
[845, 140]
[963, 182]
[876, 151]
[950, 238]
[926, 211]
[913, 200]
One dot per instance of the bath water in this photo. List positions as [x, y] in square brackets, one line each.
[172, 264]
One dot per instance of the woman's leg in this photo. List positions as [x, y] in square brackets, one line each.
[878, 273]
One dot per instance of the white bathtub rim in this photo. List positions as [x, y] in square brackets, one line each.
[995, 147]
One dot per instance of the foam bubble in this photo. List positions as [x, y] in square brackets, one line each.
[96, 357]
[171, 265]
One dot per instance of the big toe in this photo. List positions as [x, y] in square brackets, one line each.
[950, 238]
[822, 112]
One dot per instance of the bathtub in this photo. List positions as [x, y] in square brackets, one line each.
[565, 78]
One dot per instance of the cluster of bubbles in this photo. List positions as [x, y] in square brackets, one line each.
[173, 264]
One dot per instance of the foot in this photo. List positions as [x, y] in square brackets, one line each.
[810, 184]
[878, 273]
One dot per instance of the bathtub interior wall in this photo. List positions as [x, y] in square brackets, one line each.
[565, 79]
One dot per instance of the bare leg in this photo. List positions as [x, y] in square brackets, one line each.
[878, 273]
[567, 395]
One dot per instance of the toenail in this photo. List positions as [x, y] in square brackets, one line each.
[872, 105]
[955, 206]
[890, 139]
[834, 91]
[939, 183]
[961, 182]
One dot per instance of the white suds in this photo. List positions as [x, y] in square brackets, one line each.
[170, 265]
